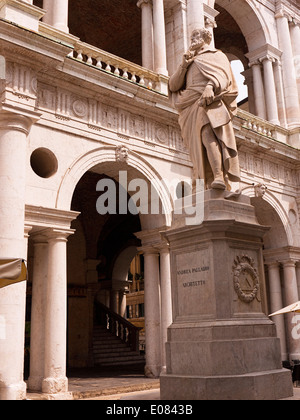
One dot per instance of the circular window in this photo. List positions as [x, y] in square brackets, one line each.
[44, 162]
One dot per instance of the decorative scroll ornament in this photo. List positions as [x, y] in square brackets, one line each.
[245, 277]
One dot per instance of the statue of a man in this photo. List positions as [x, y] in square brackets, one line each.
[204, 92]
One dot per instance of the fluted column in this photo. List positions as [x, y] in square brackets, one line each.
[14, 130]
[270, 90]
[147, 33]
[291, 296]
[57, 14]
[288, 69]
[55, 380]
[259, 94]
[276, 303]
[159, 32]
[166, 299]
[152, 313]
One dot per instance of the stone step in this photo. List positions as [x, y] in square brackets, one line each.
[120, 359]
[109, 350]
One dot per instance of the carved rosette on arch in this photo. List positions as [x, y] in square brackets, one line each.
[246, 279]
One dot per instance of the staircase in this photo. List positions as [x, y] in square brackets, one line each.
[115, 340]
[109, 350]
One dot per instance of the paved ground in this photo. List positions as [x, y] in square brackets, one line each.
[117, 384]
[103, 383]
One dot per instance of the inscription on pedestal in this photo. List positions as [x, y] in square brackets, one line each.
[194, 284]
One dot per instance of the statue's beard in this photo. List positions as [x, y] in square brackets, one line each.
[197, 45]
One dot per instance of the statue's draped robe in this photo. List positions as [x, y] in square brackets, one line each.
[210, 66]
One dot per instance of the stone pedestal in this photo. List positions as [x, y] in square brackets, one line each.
[221, 345]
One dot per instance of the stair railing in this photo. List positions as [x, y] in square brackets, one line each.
[118, 326]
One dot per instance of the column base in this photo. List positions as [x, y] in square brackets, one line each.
[152, 371]
[35, 383]
[270, 385]
[15, 392]
[55, 385]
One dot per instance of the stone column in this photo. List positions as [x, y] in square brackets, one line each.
[291, 296]
[152, 314]
[195, 16]
[249, 83]
[160, 51]
[166, 300]
[280, 93]
[55, 380]
[289, 74]
[57, 14]
[114, 301]
[14, 130]
[259, 94]
[38, 315]
[276, 304]
[270, 90]
[295, 37]
[147, 33]
[122, 303]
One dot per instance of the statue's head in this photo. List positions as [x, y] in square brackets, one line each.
[199, 38]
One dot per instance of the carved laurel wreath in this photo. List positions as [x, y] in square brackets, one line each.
[243, 265]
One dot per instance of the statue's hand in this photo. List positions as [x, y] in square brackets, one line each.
[208, 96]
[188, 58]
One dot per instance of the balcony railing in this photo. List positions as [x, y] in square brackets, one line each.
[119, 67]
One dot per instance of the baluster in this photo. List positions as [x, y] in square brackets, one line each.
[99, 63]
[79, 55]
[117, 71]
[142, 80]
[133, 78]
[89, 59]
[125, 73]
[108, 67]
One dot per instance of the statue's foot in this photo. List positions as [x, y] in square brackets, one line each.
[218, 185]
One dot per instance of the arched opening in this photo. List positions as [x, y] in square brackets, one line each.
[112, 26]
[240, 31]
[101, 256]
[280, 267]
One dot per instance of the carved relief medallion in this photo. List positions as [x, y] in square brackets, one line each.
[245, 277]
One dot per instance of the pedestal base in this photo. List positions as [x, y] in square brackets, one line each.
[221, 344]
[270, 385]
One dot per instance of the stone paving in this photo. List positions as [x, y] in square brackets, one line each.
[116, 384]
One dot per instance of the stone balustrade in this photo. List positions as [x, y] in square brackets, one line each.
[119, 67]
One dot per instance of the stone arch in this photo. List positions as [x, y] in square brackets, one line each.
[250, 21]
[107, 155]
[270, 203]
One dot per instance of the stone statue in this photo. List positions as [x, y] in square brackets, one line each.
[204, 92]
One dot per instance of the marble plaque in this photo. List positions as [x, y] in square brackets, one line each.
[194, 283]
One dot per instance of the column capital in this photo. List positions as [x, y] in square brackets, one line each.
[149, 250]
[16, 122]
[267, 57]
[254, 63]
[55, 235]
[272, 264]
[289, 263]
[141, 3]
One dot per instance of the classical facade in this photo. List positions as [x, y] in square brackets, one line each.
[84, 98]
